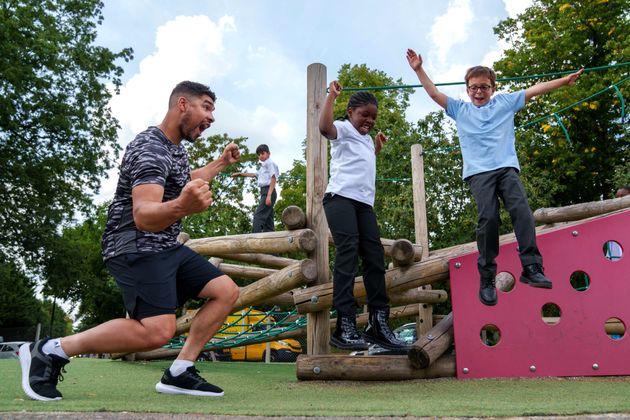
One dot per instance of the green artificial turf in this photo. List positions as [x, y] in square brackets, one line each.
[273, 390]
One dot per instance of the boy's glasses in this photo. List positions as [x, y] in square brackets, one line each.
[483, 88]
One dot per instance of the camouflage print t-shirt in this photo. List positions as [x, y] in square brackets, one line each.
[149, 159]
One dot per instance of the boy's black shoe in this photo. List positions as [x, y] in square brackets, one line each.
[346, 335]
[187, 383]
[534, 276]
[41, 372]
[487, 291]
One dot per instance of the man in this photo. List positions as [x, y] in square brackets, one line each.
[156, 189]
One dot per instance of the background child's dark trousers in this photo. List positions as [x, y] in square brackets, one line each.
[487, 188]
[355, 232]
[263, 217]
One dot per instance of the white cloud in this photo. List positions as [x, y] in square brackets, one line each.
[515, 7]
[451, 28]
[187, 48]
[256, 91]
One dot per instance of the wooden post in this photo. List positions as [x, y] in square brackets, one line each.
[425, 316]
[430, 347]
[318, 331]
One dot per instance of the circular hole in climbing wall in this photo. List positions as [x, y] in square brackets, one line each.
[580, 281]
[615, 328]
[551, 313]
[490, 335]
[505, 281]
[613, 250]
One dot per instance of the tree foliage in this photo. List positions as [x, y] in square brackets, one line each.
[18, 305]
[57, 133]
[228, 215]
[74, 271]
[554, 36]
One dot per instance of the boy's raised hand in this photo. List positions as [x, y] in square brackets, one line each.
[573, 77]
[414, 60]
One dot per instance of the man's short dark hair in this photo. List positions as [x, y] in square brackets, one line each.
[190, 89]
[262, 149]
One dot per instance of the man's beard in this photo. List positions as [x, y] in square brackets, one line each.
[186, 130]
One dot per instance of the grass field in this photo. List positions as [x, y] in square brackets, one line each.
[273, 390]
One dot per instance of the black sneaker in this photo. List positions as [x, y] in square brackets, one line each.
[187, 383]
[41, 372]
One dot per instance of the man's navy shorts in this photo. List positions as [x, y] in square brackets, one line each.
[156, 283]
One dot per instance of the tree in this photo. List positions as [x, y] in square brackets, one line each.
[553, 36]
[228, 214]
[57, 134]
[18, 305]
[74, 271]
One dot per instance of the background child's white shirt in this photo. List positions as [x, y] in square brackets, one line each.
[268, 168]
[352, 164]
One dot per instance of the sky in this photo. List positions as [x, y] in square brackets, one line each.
[254, 55]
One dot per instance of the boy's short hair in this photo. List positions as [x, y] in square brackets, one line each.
[262, 149]
[481, 71]
[188, 89]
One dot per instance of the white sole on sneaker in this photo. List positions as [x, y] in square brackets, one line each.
[25, 363]
[173, 390]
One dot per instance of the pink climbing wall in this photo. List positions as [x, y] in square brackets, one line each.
[577, 345]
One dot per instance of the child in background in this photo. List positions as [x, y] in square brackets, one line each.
[348, 206]
[486, 135]
[267, 178]
[623, 191]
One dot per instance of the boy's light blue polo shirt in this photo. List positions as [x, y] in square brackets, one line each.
[486, 133]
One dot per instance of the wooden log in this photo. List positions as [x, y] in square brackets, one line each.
[318, 334]
[183, 237]
[319, 297]
[267, 242]
[417, 295]
[431, 346]
[369, 368]
[407, 297]
[161, 353]
[402, 253]
[282, 281]
[216, 261]
[580, 211]
[387, 247]
[247, 272]
[261, 259]
[284, 299]
[293, 218]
